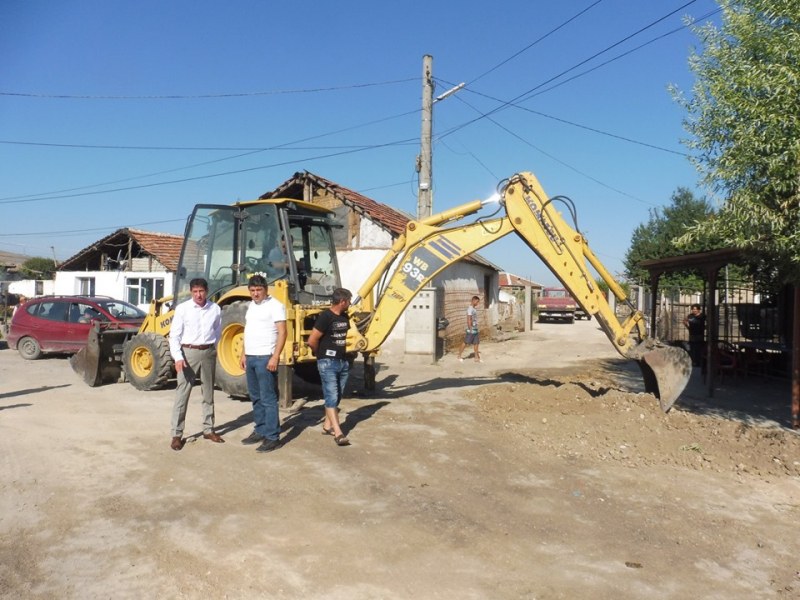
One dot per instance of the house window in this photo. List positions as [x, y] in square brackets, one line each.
[142, 290]
[85, 286]
[487, 286]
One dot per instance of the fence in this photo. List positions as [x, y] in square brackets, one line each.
[750, 327]
[742, 315]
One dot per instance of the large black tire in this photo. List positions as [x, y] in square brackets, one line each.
[230, 376]
[147, 362]
[29, 348]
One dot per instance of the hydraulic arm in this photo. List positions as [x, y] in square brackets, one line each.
[432, 244]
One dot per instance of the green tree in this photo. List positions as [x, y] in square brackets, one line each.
[744, 119]
[601, 283]
[657, 239]
[38, 268]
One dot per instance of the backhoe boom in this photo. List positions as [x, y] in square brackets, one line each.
[427, 248]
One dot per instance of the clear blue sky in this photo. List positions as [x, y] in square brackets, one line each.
[184, 102]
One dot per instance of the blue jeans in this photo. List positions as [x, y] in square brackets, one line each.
[333, 372]
[263, 390]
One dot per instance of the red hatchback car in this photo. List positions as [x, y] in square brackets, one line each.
[62, 323]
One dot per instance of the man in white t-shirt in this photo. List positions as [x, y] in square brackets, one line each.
[471, 336]
[264, 338]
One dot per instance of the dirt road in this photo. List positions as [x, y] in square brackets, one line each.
[540, 474]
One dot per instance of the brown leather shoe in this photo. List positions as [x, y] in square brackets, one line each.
[177, 443]
[214, 437]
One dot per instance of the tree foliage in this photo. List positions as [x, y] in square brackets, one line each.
[625, 285]
[657, 239]
[38, 267]
[744, 119]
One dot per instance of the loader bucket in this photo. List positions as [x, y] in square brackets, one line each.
[666, 371]
[101, 360]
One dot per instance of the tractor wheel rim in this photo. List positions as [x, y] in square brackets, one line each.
[142, 362]
[230, 349]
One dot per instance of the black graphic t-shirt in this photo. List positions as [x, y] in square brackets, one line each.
[334, 328]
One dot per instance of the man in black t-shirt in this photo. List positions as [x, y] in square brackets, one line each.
[328, 340]
[695, 322]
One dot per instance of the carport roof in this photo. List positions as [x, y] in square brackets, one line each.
[698, 261]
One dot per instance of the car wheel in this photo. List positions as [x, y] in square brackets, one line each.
[29, 348]
[147, 361]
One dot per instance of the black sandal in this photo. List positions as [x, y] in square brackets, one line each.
[341, 440]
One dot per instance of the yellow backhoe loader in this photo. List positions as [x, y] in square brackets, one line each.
[291, 243]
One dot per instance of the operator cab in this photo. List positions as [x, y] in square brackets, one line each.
[279, 239]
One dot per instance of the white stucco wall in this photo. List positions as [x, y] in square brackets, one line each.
[27, 287]
[108, 283]
[372, 236]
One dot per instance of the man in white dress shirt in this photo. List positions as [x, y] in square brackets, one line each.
[193, 338]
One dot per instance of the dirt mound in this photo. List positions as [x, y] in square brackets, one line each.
[586, 416]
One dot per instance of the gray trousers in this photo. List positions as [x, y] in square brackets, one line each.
[199, 363]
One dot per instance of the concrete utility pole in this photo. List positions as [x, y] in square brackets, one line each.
[424, 168]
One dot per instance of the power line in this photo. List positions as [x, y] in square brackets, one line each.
[207, 96]
[286, 146]
[180, 148]
[523, 96]
[67, 232]
[586, 127]
[532, 44]
[561, 162]
[214, 175]
[578, 125]
[631, 51]
[347, 150]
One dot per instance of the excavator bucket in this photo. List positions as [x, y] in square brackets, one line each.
[101, 360]
[666, 371]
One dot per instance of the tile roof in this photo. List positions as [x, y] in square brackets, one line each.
[382, 215]
[510, 280]
[164, 247]
[392, 220]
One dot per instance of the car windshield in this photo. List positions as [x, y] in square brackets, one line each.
[122, 310]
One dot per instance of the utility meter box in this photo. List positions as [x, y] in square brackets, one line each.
[421, 326]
